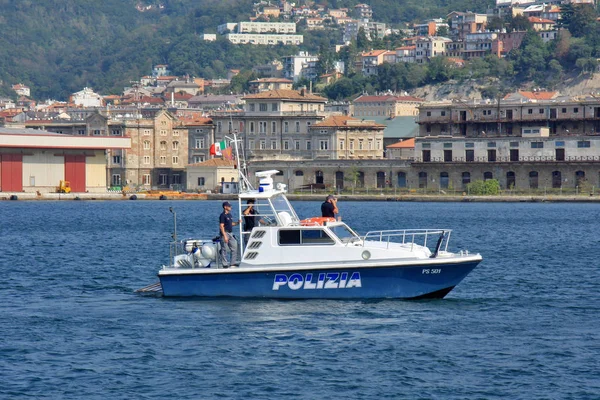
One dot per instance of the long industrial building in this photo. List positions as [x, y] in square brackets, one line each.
[36, 161]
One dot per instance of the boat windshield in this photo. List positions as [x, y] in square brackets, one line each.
[344, 233]
[281, 205]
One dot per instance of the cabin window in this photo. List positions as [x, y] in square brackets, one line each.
[304, 237]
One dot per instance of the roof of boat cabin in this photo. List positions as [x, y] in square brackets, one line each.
[255, 194]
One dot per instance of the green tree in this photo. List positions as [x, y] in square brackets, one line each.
[582, 20]
[362, 41]
[438, 70]
[442, 31]
[326, 61]
[518, 23]
[495, 24]
[490, 187]
[240, 83]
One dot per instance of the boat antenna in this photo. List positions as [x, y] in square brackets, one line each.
[174, 234]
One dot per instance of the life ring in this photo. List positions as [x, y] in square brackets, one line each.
[316, 221]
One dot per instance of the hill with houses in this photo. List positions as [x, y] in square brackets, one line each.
[343, 48]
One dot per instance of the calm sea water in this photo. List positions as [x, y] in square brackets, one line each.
[524, 325]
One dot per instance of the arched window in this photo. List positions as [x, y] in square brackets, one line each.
[401, 179]
[339, 180]
[533, 180]
[422, 180]
[556, 179]
[299, 173]
[579, 178]
[444, 180]
[487, 176]
[466, 179]
[319, 177]
[361, 179]
[510, 180]
[380, 179]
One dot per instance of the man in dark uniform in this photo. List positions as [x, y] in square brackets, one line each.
[329, 207]
[250, 216]
[228, 241]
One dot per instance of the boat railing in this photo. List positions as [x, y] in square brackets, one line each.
[177, 248]
[440, 237]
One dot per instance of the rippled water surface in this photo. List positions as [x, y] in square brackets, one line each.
[524, 325]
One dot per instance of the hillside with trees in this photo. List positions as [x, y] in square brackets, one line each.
[58, 47]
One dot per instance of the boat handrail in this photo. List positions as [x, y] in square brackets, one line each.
[409, 236]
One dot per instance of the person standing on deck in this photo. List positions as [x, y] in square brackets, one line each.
[329, 207]
[228, 240]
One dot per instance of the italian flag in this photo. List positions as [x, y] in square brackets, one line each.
[217, 148]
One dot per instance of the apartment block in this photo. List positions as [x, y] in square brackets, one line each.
[562, 116]
[275, 124]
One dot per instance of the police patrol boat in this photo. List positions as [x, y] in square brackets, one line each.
[285, 257]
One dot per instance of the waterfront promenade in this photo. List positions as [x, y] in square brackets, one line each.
[376, 196]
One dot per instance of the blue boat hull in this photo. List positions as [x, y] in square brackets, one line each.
[374, 282]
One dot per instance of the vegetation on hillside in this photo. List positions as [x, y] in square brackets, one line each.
[59, 46]
[577, 48]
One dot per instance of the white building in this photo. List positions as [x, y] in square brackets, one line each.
[257, 38]
[160, 70]
[294, 65]
[208, 37]
[21, 90]
[87, 98]
[266, 27]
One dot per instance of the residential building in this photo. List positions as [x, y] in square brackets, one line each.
[266, 27]
[6, 103]
[387, 105]
[363, 12]
[21, 90]
[201, 135]
[372, 59]
[208, 37]
[314, 23]
[428, 47]
[406, 54]
[337, 13]
[345, 137]
[274, 69]
[480, 44]
[87, 98]
[541, 24]
[266, 39]
[548, 36]
[160, 70]
[158, 155]
[266, 84]
[430, 28]
[274, 124]
[271, 11]
[372, 29]
[463, 23]
[183, 87]
[293, 65]
[563, 116]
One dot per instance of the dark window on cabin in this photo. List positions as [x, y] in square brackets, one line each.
[306, 237]
[288, 237]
